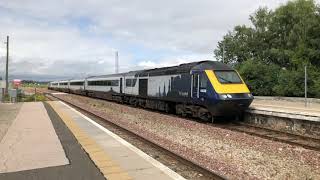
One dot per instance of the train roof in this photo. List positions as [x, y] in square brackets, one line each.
[76, 80]
[130, 73]
[185, 68]
[182, 68]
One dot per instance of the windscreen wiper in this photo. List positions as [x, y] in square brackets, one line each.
[225, 79]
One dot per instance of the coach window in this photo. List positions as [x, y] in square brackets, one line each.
[131, 82]
[128, 82]
[114, 82]
[76, 83]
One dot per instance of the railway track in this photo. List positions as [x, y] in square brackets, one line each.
[296, 140]
[179, 164]
[284, 137]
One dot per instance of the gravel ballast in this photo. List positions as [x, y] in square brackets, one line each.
[231, 154]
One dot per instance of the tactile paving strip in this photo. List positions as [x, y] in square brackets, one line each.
[108, 168]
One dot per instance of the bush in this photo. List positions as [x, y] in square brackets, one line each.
[270, 80]
[31, 98]
[290, 83]
[260, 77]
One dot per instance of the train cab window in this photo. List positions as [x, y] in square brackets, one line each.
[131, 82]
[228, 77]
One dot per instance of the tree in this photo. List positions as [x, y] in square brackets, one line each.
[259, 77]
[287, 38]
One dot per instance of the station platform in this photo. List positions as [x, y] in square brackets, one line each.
[288, 115]
[116, 158]
[289, 107]
[31, 142]
[52, 140]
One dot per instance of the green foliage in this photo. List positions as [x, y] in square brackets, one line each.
[31, 98]
[282, 41]
[31, 83]
[6, 98]
[34, 85]
[259, 77]
[290, 83]
[314, 82]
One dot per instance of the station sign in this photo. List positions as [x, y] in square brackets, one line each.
[16, 82]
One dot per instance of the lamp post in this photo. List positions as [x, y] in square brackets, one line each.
[305, 86]
[7, 66]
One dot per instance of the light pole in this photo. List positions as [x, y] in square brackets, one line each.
[7, 66]
[305, 86]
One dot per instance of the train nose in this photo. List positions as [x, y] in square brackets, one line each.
[230, 107]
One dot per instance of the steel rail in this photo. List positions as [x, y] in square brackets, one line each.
[154, 143]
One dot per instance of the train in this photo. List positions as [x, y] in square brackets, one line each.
[204, 89]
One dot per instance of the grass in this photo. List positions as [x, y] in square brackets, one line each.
[34, 85]
[26, 98]
[31, 98]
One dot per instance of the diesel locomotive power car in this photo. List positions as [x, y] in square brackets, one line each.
[203, 89]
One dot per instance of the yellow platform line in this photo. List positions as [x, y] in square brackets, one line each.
[101, 159]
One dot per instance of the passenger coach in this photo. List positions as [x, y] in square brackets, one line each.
[203, 89]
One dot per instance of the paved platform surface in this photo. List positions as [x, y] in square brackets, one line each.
[8, 113]
[283, 106]
[80, 166]
[123, 157]
[31, 141]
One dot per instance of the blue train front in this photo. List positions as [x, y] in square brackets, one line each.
[208, 89]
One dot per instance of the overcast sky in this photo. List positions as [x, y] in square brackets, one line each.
[70, 38]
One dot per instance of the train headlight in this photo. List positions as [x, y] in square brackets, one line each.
[229, 95]
[224, 96]
[249, 95]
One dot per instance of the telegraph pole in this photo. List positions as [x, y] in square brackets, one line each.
[7, 66]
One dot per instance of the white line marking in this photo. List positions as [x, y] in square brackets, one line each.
[146, 157]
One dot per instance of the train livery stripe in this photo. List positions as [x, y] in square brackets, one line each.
[225, 88]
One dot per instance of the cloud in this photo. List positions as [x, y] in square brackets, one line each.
[76, 37]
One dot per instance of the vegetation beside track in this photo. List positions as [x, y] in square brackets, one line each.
[272, 52]
[33, 84]
[33, 97]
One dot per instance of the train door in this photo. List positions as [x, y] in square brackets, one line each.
[121, 86]
[195, 85]
[203, 83]
[143, 87]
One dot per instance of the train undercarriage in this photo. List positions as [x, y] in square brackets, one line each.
[180, 108]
